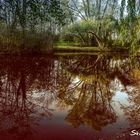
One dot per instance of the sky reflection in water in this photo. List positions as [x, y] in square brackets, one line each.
[69, 97]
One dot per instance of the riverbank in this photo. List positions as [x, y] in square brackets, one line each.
[71, 49]
[59, 50]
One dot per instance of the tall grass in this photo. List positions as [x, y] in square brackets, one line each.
[14, 41]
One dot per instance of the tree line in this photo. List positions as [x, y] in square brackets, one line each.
[85, 22]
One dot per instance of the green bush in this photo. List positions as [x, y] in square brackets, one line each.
[81, 31]
[14, 41]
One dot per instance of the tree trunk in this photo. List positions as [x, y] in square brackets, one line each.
[100, 42]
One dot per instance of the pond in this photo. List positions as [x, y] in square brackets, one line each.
[69, 97]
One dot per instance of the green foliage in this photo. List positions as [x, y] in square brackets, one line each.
[86, 30]
[13, 42]
[129, 35]
[122, 8]
[80, 31]
[131, 9]
[56, 11]
[30, 21]
[83, 22]
[83, 26]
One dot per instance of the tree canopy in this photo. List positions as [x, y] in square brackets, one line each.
[100, 23]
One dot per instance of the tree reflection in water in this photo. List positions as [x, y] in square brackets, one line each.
[93, 103]
[132, 110]
[19, 79]
[79, 84]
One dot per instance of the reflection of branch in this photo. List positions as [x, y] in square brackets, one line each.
[101, 93]
[75, 86]
[98, 58]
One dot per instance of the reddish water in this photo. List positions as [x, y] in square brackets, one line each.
[69, 97]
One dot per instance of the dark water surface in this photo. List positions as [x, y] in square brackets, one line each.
[81, 97]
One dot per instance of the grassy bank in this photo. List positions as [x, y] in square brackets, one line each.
[71, 49]
[75, 49]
